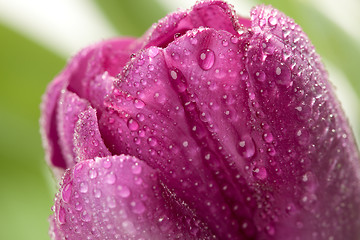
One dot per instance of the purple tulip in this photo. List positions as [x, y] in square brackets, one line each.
[211, 126]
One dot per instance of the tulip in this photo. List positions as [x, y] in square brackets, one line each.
[210, 126]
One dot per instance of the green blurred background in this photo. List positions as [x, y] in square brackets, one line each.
[28, 62]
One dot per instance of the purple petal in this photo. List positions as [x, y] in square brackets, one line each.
[213, 14]
[49, 125]
[69, 108]
[311, 145]
[147, 119]
[88, 143]
[93, 76]
[89, 75]
[115, 198]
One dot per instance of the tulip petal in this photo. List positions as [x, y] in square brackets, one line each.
[89, 75]
[88, 143]
[213, 14]
[147, 119]
[69, 108]
[312, 146]
[48, 124]
[118, 197]
[91, 78]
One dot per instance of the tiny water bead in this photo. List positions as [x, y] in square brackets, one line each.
[206, 59]
[62, 215]
[123, 191]
[132, 124]
[110, 178]
[260, 173]
[84, 187]
[246, 146]
[66, 192]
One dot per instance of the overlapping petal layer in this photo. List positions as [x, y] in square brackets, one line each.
[233, 122]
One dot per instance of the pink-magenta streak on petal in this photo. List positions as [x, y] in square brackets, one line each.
[212, 14]
[88, 143]
[48, 124]
[117, 197]
[69, 108]
[146, 118]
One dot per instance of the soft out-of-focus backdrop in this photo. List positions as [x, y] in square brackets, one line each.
[38, 36]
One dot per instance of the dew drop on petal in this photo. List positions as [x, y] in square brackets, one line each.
[206, 59]
[268, 137]
[246, 146]
[92, 173]
[85, 216]
[97, 193]
[136, 169]
[61, 215]
[153, 51]
[106, 163]
[110, 178]
[260, 76]
[66, 192]
[137, 207]
[132, 124]
[84, 187]
[139, 103]
[260, 173]
[123, 191]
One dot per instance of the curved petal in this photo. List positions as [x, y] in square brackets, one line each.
[48, 125]
[147, 118]
[212, 14]
[89, 76]
[311, 145]
[69, 108]
[88, 143]
[117, 197]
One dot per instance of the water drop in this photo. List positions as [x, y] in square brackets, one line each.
[260, 173]
[152, 141]
[106, 163]
[234, 39]
[137, 207]
[268, 137]
[153, 51]
[111, 202]
[283, 75]
[85, 216]
[260, 76]
[132, 124]
[302, 136]
[84, 187]
[123, 191]
[110, 178]
[92, 173]
[97, 193]
[139, 103]
[78, 206]
[272, 21]
[62, 215]
[206, 59]
[66, 192]
[136, 169]
[246, 146]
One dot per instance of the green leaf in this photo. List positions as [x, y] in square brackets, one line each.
[132, 18]
[25, 70]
